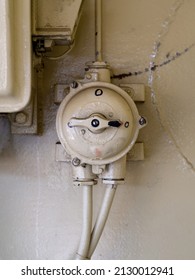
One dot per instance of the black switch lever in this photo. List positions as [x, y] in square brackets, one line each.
[114, 123]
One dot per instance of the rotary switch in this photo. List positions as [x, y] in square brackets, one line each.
[98, 123]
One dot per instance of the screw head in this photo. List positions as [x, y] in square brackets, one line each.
[74, 84]
[76, 161]
[128, 91]
[88, 76]
[69, 124]
[142, 121]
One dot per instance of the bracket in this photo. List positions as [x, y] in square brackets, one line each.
[25, 121]
[135, 154]
[136, 92]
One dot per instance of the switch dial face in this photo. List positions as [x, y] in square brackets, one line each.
[92, 123]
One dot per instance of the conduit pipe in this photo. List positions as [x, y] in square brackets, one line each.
[87, 223]
[98, 30]
[102, 218]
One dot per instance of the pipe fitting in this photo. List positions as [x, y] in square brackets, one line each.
[83, 175]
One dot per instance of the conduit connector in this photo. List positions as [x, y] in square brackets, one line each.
[83, 175]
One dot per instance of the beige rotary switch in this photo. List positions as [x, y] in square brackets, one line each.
[98, 123]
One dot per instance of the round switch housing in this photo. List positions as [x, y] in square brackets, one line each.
[98, 123]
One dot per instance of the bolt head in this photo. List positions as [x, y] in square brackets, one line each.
[76, 161]
[142, 121]
[88, 76]
[128, 91]
[21, 118]
[74, 84]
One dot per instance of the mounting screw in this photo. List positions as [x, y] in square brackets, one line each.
[21, 118]
[142, 121]
[128, 90]
[74, 84]
[88, 76]
[76, 161]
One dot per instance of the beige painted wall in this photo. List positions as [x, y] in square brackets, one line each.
[153, 213]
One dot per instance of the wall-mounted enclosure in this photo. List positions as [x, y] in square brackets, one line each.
[57, 20]
[15, 55]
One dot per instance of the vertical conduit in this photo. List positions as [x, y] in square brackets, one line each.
[98, 30]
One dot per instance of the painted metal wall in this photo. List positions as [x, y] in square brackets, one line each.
[150, 42]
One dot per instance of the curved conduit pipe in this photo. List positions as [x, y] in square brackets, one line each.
[89, 240]
[102, 218]
[87, 223]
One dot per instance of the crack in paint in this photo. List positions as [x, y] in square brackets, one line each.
[163, 32]
[157, 44]
[153, 66]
